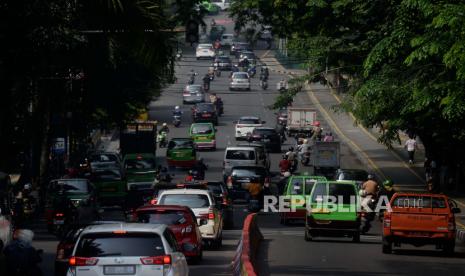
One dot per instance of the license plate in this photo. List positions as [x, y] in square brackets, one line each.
[119, 270]
[206, 115]
[419, 234]
[58, 222]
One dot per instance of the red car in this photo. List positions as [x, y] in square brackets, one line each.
[181, 220]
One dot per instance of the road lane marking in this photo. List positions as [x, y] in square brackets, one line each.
[228, 139]
[265, 54]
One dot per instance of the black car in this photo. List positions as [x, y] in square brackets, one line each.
[205, 112]
[220, 192]
[223, 63]
[281, 117]
[238, 47]
[269, 136]
[242, 176]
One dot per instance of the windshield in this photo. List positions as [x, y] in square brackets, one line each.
[189, 200]
[202, 129]
[252, 172]
[240, 154]
[249, 121]
[107, 175]
[353, 175]
[140, 164]
[103, 157]
[194, 88]
[169, 217]
[205, 46]
[205, 107]
[240, 76]
[342, 192]
[180, 144]
[71, 186]
[109, 245]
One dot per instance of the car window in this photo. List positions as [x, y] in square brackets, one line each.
[180, 144]
[194, 88]
[308, 186]
[296, 186]
[103, 157]
[240, 76]
[249, 121]
[137, 164]
[319, 192]
[202, 129]
[189, 200]
[419, 202]
[264, 131]
[206, 107]
[352, 175]
[70, 186]
[110, 245]
[342, 192]
[205, 46]
[169, 217]
[106, 175]
[252, 172]
[215, 189]
[240, 154]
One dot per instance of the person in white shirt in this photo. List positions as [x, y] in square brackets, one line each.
[411, 146]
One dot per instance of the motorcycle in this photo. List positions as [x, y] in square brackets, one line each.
[367, 216]
[177, 120]
[179, 54]
[161, 139]
[252, 70]
[217, 72]
[305, 158]
[206, 86]
[264, 84]
[191, 80]
[198, 175]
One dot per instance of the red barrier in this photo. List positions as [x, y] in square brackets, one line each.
[247, 248]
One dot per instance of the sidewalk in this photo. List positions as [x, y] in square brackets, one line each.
[385, 163]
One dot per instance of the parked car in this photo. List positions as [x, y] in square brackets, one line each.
[239, 81]
[227, 39]
[246, 125]
[181, 152]
[238, 47]
[242, 176]
[205, 112]
[205, 51]
[127, 249]
[204, 207]
[220, 192]
[420, 219]
[204, 135]
[223, 62]
[269, 137]
[181, 220]
[193, 93]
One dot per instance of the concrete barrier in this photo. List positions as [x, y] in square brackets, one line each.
[243, 262]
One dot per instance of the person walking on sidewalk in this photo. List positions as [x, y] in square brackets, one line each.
[411, 146]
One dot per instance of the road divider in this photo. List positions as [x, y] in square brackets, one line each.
[244, 259]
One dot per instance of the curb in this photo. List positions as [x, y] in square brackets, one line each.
[243, 261]
[460, 235]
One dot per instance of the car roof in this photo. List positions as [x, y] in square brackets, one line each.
[185, 191]
[228, 34]
[343, 182]
[254, 144]
[249, 118]
[193, 85]
[248, 167]
[240, 73]
[205, 45]
[163, 207]
[352, 170]
[130, 227]
[240, 148]
[419, 194]
[208, 124]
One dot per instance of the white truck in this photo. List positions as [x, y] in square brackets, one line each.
[326, 158]
[300, 120]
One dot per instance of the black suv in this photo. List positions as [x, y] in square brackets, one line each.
[204, 112]
[268, 136]
[238, 47]
[220, 192]
[242, 176]
[223, 63]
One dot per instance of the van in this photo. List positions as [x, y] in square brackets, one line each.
[339, 218]
[240, 156]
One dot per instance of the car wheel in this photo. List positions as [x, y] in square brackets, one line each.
[448, 248]
[216, 244]
[356, 237]
[387, 246]
[308, 236]
[197, 259]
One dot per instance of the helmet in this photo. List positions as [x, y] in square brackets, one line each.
[164, 124]
[287, 174]
[388, 183]
[370, 177]
[176, 107]
[317, 123]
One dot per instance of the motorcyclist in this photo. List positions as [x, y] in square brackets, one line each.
[283, 182]
[217, 44]
[213, 98]
[281, 131]
[165, 177]
[164, 128]
[369, 190]
[264, 73]
[177, 111]
[291, 156]
[219, 105]
[282, 85]
[213, 22]
[189, 177]
[21, 257]
[388, 189]
[245, 62]
[206, 81]
[317, 131]
[200, 167]
[285, 164]
[192, 75]
[303, 148]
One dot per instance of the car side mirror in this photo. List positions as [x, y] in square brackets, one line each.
[203, 222]
[456, 210]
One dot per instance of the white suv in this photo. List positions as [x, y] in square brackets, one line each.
[127, 249]
[246, 125]
[204, 51]
[204, 207]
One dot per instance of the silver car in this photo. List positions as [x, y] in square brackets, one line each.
[193, 94]
[240, 80]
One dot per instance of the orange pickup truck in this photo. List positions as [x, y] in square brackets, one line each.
[420, 219]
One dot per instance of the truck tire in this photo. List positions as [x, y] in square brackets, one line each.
[387, 246]
[356, 237]
[448, 248]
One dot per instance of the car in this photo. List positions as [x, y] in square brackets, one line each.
[262, 152]
[269, 136]
[204, 207]
[204, 135]
[205, 50]
[74, 189]
[298, 187]
[227, 39]
[246, 125]
[238, 47]
[181, 152]
[222, 4]
[242, 176]
[335, 218]
[265, 33]
[223, 63]
[66, 244]
[181, 220]
[281, 117]
[104, 156]
[359, 176]
[239, 81]
[140, 170]
[220, 192]
[109, 180]
[127, 249]
[205, 112]
[241, 156]
[249, 55]
[193, 93]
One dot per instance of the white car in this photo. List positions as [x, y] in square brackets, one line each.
[204, 51]
[204, 207]
[127, 249]
[222, 4]
[227, 39]
[246, 125]
[239, 80]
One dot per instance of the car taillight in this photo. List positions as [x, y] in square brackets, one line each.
[229, 182]
[211, 215]
[59, 215]
[387, 219]
[186, 94]
[81, 261]
[451, 224]
[157, 260]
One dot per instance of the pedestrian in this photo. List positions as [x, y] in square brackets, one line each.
[411, 146]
